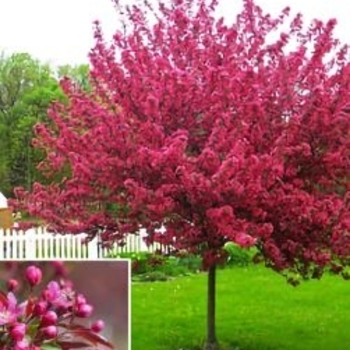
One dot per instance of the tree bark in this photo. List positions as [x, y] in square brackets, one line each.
[211, 342]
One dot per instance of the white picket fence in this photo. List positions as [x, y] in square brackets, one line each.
[40, 244]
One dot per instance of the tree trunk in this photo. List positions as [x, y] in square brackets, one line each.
[211, 342]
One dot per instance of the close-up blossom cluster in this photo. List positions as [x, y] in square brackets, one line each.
[35, 315]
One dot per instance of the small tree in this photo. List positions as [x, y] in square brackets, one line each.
[218, 132]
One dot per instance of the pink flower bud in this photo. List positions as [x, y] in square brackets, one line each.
[97, 326]
[40, 308]
[22, 345]
[84, 310]
[12, 285]
[33, 275]
[18, 331]
[10, 265]
[50, 332]
[60, 268]
[49, 319]
[80, 299]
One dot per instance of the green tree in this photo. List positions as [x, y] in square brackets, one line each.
[27, 87]
[79, 74]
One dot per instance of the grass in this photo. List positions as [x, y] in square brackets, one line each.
[256, 310]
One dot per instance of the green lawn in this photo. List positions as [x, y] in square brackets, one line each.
[256, 310]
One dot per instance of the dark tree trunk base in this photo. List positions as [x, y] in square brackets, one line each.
[211, 346]
[211, 342]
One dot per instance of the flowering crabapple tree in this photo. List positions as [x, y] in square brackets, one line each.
[220, 132]
[46, 317]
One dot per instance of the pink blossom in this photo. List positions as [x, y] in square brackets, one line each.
[10, 312]
[58, 296]
[245, 240]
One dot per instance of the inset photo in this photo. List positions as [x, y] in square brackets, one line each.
[64, 305]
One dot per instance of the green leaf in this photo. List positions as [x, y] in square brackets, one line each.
[50, 347]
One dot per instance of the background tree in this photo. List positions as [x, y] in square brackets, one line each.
[218, 132]
[79, 74]
[27, 87]
[31, 109]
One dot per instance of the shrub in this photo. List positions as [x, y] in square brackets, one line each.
[155, 266]
[152, 276]
[237, 256]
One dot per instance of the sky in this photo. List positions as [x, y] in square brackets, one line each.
[60, 31]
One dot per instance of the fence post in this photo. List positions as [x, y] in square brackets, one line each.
[2, 243]
[30, 246]
[143, 245]
[92, 248]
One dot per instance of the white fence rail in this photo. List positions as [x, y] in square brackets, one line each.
[40, 244]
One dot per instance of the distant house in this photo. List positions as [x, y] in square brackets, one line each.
[6, 220]
[3, 201]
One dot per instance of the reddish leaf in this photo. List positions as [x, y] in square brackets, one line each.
[30, 306]
[87, 334]
[67, 345]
